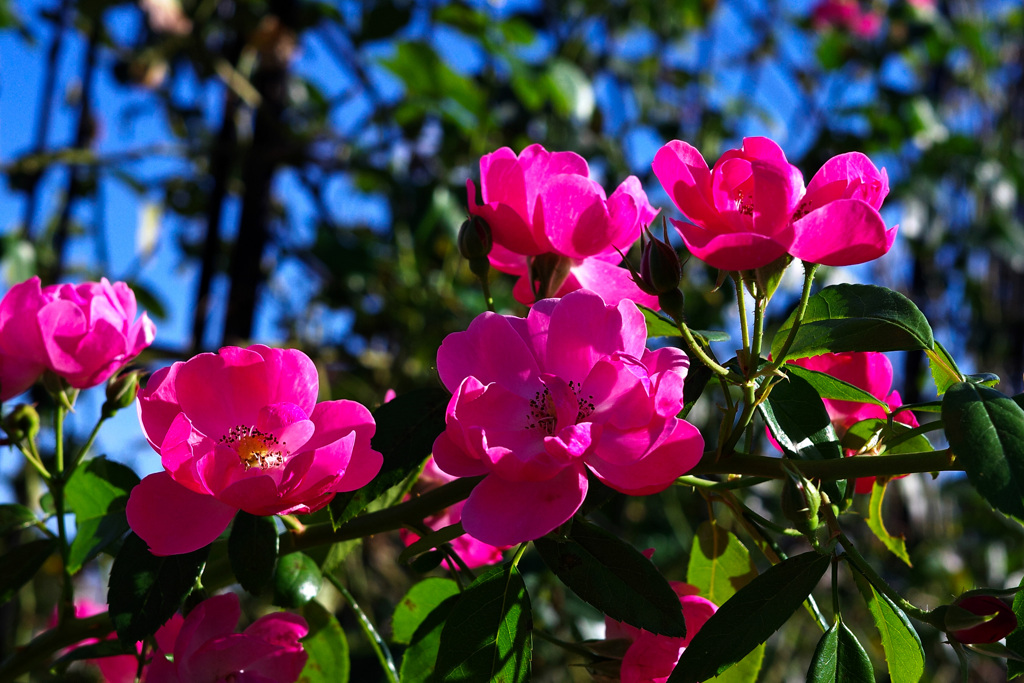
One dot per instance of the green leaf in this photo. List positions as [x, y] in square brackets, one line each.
[985, 429]
[945, 373]
[19, 564]
[14, 517]
[97, 493]
[799, 422]
[145, 590]
[719, 566]
[406, 429]
[419, 602]
[747, 619]
[570, 90]
[846, 317]
[487, 636]
[252, 550]
[839, 658]
[421, 655]
[879, 432]
[833, 388]
[614, 577]
[900, 642]
[896, 544]
[297, 580]
[326, 646]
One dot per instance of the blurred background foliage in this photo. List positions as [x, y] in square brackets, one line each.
[294, 173]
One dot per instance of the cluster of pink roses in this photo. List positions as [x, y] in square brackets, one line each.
[552, 225]
[82, 333]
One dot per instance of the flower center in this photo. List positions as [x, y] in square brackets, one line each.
[745, 203]
[544, 407]
[255, 448]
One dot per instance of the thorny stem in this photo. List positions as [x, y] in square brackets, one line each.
[805, 295]
[830, 470]
[57, 483]
[387, 662]
[694, 346]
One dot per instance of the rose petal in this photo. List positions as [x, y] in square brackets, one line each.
[172, 519]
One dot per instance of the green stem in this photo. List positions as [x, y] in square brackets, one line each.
[67, 601]
[568, 647]
[865, 568]
[389, 519]
[32, 457]
[805, 295]
[487, 292]
[728, 485]
[519, 553]
[694, 346]
[85, 447]
[741, 304]
[830, 470]
[387, 662]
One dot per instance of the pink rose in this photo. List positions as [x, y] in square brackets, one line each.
[116, 669]
[539, 401]
[543, 208]
[847, 14]
[870, 371]
[650, 657]
[241, 430]
[752, 207]
[206, 649]
[83, 333]
[473, 552]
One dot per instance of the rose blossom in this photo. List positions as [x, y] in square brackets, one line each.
[543, 209]
[241, 430]
[206, 649]
[651, 657]
[752, 207]
[473, 552]
[867, 370]
[83, 333]
[539, 400]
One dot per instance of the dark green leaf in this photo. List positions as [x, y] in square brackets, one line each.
[19, 564]
[326, 646]
[420, 601]
[878, 432]
[421, 655]
[614, 577]
[97, 493]
[297, 580]
[1015, 641]
[14, 517]
[856, 318]
[799, 422]
[900, 642]
[659, 325]
[719, 566]
[252, 549]
[985, 429]
[747, 619]
[406, 429]
[832, 388]
[487, 636]
[383, 20]
[145, 590]
[945, 373]
[839, 658]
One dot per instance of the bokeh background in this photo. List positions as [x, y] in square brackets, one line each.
[293, 172]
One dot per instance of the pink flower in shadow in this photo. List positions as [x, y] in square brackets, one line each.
[241, 430]
[473, 552]
[867, 370]
[650, 657]
[539, 401]
[206, 649]
[752, 207]
[542, 207]
[83, 333]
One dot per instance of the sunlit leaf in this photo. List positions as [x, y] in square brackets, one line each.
[900, 642]
[326, 646]
[896, 544]
[419, 602]
[840, 658]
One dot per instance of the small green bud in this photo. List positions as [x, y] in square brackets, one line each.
[121, 392]
[22, 424]
[475, 239]
[800, 504]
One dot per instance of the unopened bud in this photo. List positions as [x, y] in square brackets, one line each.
[22, 424]
[660, 269]
[121, 392]
[979, 619]
[800, 504]
[475, 239]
